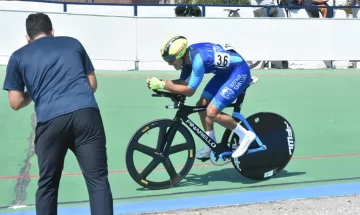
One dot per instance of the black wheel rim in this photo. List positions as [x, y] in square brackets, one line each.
[159, 159]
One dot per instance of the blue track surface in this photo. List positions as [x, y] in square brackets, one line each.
[210, 201]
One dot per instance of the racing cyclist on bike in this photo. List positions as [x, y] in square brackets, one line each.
[231, 77]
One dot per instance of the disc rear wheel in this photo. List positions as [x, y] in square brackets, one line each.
[276, 133]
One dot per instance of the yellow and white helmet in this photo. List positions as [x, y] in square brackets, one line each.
[174, 48]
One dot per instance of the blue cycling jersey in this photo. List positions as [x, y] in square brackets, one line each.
[209, 58]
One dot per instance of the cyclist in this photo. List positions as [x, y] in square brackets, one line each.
[231, 77]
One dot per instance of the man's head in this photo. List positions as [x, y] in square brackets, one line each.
[38, 25]
[174, 50]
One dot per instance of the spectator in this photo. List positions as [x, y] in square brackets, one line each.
[193, 11]
[313, 12]
[352, 11]
[325, 12]
[261, 12]
[59, 77]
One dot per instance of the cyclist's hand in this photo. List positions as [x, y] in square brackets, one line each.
[155, 83]
[148, 82]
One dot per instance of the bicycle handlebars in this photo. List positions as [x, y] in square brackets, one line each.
[162, 94]
[176, 98]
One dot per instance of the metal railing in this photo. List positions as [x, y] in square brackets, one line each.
[136, 3]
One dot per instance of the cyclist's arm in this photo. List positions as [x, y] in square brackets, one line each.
[179, 82]
[194, 81]
[184, 76]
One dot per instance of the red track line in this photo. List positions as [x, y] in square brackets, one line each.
[196, 165]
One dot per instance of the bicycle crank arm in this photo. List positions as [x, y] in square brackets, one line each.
[171, 107]
[203, 159]
[221, 159]
[224, 155]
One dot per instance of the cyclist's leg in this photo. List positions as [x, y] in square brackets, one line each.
[228, 93]
[209, 92]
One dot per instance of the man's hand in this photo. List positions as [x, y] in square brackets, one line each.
[155, 83]
[19, 99]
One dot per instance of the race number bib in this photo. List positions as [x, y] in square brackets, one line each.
[222, 60]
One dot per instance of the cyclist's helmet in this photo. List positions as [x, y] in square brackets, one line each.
[174, 48]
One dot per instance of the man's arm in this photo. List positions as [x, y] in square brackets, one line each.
[91, 77]
[178, 88]
[14, 83]
[188, 89]
[184, 76]
[89, 70]
[19, 99]
[179, 82]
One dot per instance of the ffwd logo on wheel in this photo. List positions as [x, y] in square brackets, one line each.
[290, 139]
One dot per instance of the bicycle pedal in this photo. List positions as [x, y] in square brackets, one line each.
[225, 155]
[203, 159]
[221, 159]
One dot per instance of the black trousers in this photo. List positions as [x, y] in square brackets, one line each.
[83, 133]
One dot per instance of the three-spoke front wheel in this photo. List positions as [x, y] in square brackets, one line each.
[153, 167]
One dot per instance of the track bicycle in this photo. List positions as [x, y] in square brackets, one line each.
[267, 155]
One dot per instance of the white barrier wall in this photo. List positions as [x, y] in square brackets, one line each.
[118, 42]
[156, 11]
[110, 41]
[109, 10]
[31, 6]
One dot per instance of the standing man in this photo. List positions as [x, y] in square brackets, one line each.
[59, 77]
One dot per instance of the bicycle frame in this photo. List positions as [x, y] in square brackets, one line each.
[184, 111]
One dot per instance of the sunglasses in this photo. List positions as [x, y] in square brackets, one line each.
[170, 58]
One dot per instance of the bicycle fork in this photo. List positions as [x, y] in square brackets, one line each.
[168, 138]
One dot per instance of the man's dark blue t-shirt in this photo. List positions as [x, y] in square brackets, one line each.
[53, 70]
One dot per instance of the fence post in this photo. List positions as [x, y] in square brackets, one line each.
[135, 10]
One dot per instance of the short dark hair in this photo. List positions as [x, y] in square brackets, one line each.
[38, 23]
